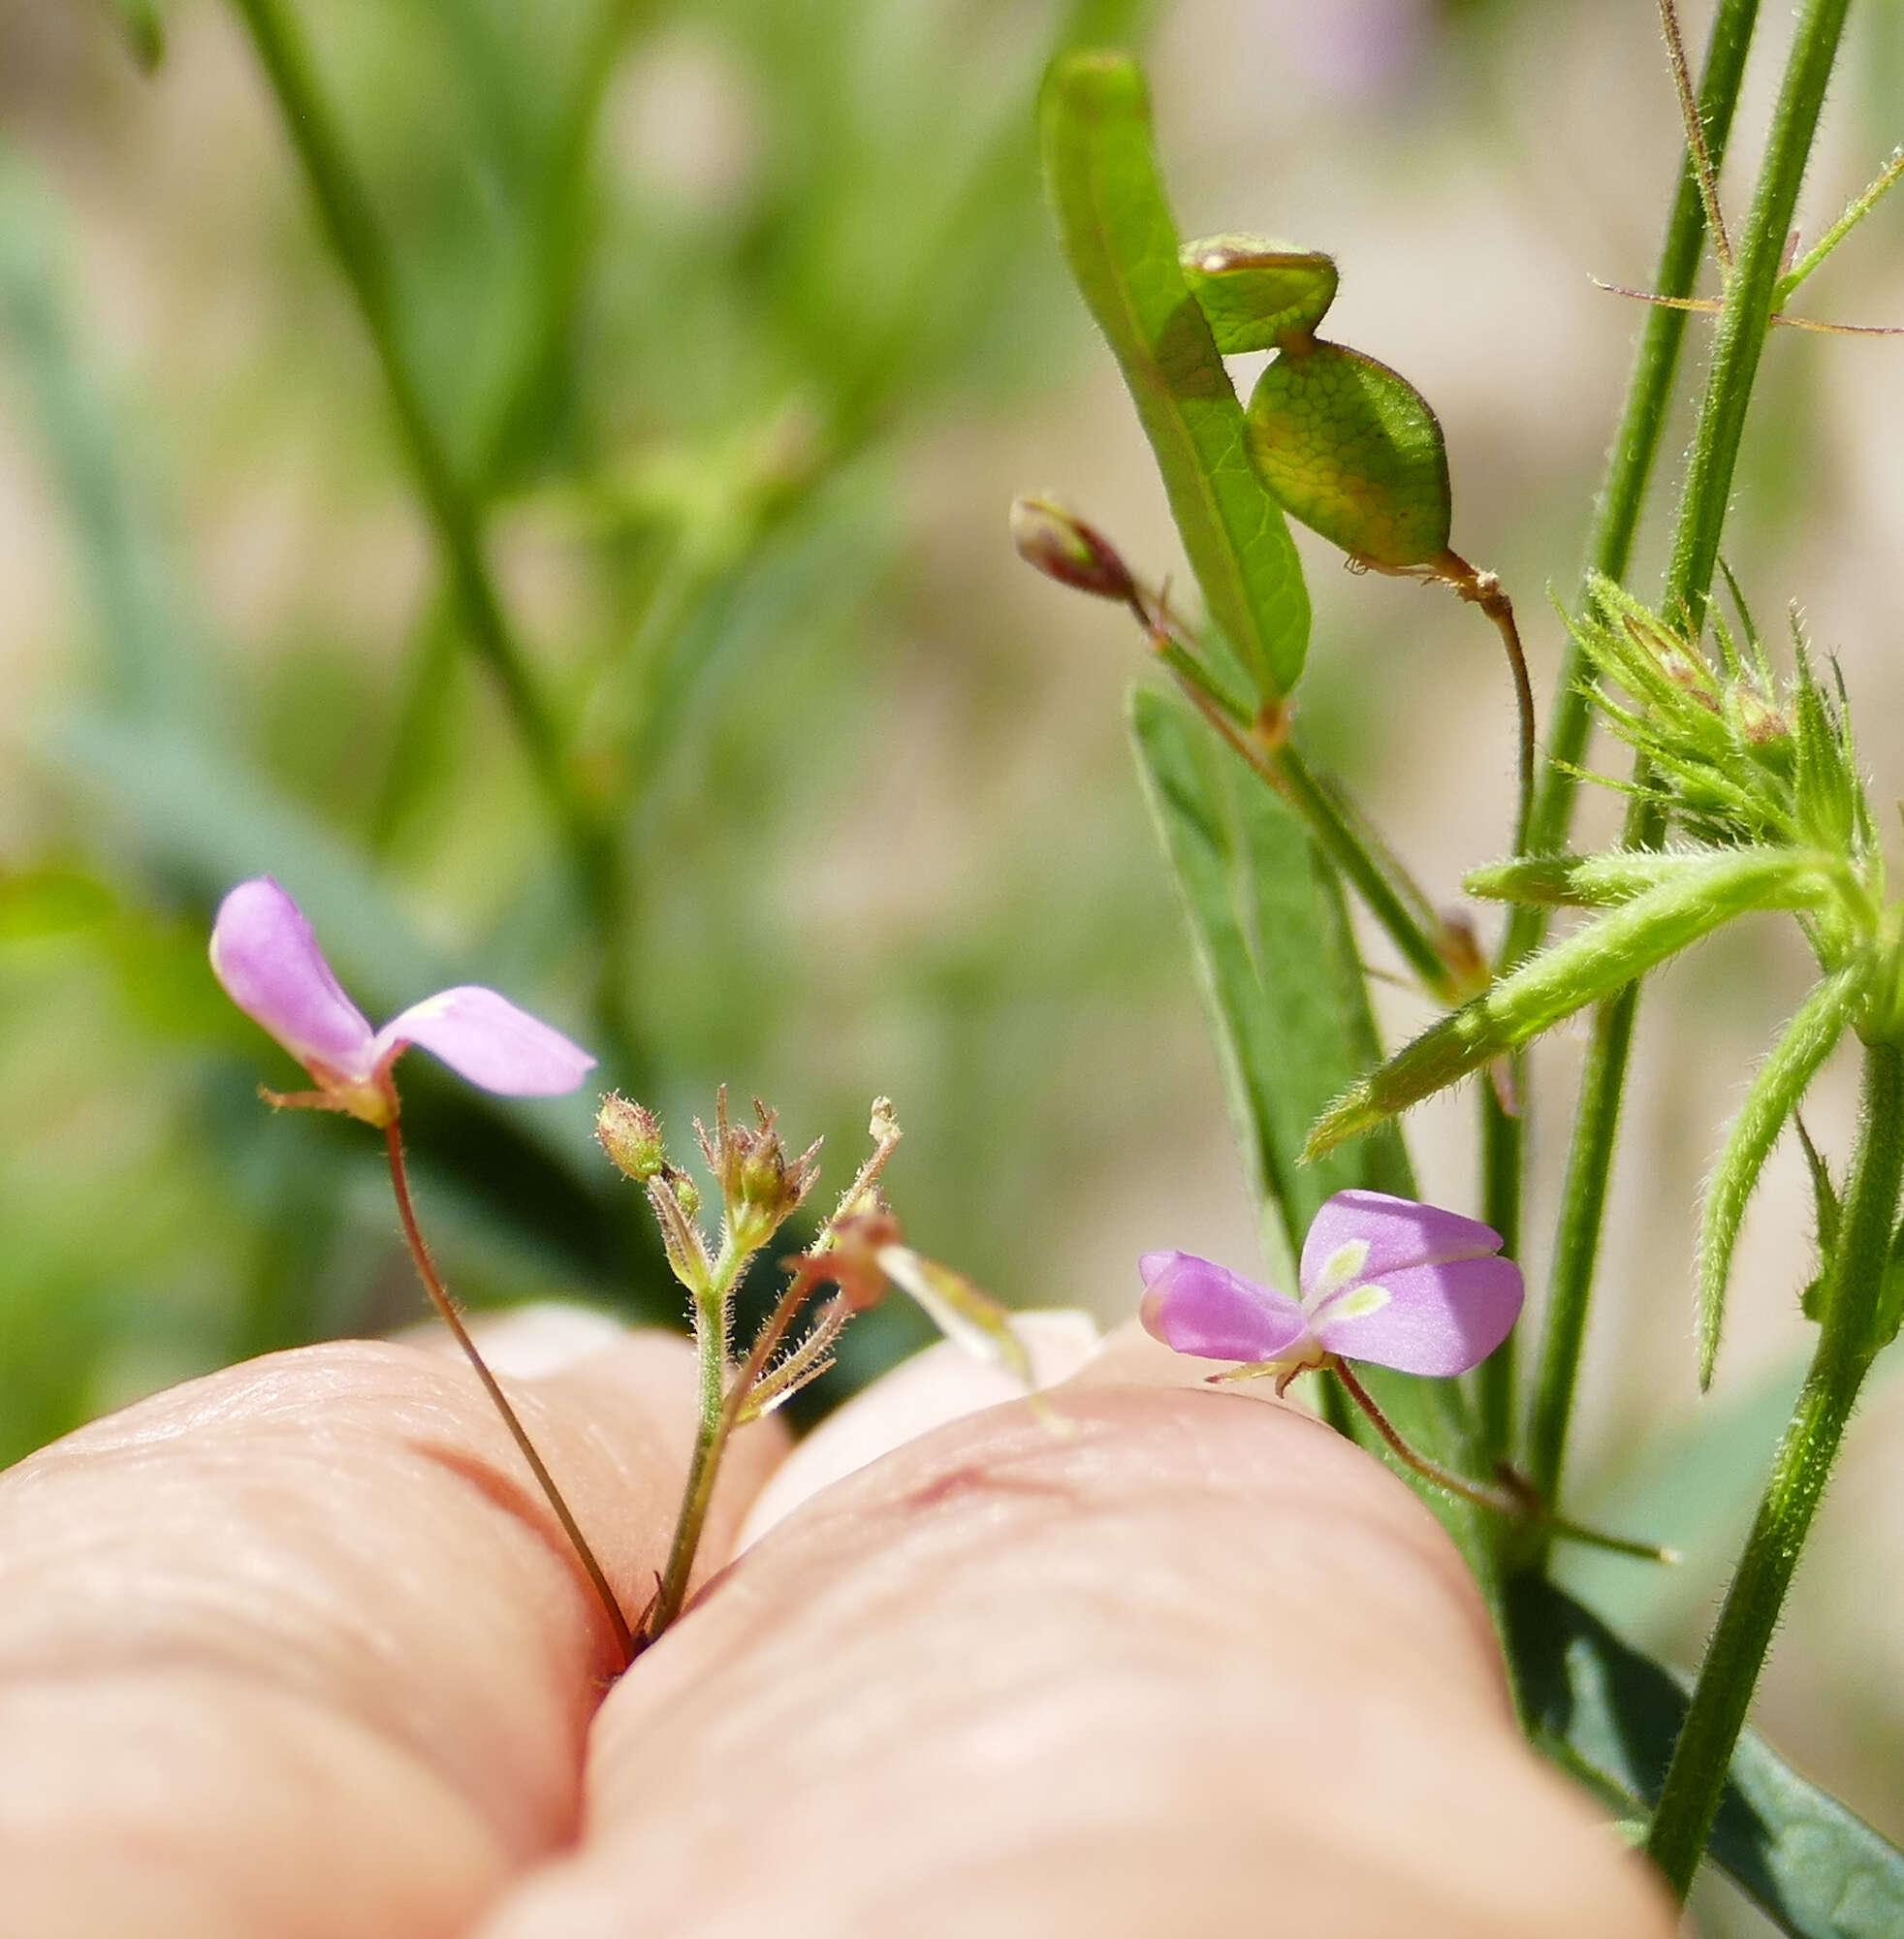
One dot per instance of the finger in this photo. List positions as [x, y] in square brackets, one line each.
[298, 1649]
[941, 1383]
[1195, 1665]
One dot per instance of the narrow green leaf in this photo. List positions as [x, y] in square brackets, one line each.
[1582, 969]
[1288, 1011]
[1121, 245]
[1780, 1083]
[1609, 1715]
[1250, 895]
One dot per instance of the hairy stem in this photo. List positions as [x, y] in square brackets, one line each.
[1744, 323]
[703, 1467]
[1622, 497]
[439, 1297]
[722, 1402]
[1846, 1345]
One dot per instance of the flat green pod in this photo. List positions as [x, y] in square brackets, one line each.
[1353, 451]
[1255, 291]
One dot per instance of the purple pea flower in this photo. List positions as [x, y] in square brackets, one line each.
[264, 953]
[1383, 1279]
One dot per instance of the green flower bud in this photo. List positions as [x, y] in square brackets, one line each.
[1759, 723]
[631, 1136]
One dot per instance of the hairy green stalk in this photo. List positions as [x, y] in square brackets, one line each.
[1848, 1343]
[1743, 325]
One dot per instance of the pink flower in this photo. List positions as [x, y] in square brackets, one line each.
[1383, 1279]
[264, 953]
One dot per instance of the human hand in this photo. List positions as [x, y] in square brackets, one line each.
[296, 1652]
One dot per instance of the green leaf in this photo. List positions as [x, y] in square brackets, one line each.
[1582, 969]
[1122, 245]
[1780, 1083]
[1609, 1715]
[1289, 1009]
[1248, 875]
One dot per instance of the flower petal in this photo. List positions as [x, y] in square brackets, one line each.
[485, 1037]
[264, 953]
[1398, 1232]
[1202, 1308]
[1440, 1319]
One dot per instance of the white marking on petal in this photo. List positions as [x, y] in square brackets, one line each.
[1342, 1267]
[1361, 1302]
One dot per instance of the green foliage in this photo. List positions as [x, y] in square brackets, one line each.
[1101, 172]
[1610, 1716]
[1583, 968]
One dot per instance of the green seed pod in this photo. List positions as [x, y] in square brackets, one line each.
[1352, 450]
[1256, 293]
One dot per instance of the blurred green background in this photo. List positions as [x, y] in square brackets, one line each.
[733, 327]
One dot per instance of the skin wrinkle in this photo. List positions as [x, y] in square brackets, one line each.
[1031, 1694]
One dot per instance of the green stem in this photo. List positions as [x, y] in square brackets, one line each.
[1576, 1243]
[1360, 866]
[703, 1467]
[722, 1402]
[1501, 1207]
[351, 227]
[1751, 297]
[446, 1307]
[1635, 448]
[1846, 1345]
[1369, 870]
[1743, 325]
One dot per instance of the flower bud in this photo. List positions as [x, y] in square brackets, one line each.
[1065, 549]
[631, 1136]
[1758, 720]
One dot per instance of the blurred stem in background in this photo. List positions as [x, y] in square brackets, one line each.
[356, 236]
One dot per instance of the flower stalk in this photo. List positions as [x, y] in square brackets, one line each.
[446, 1307]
